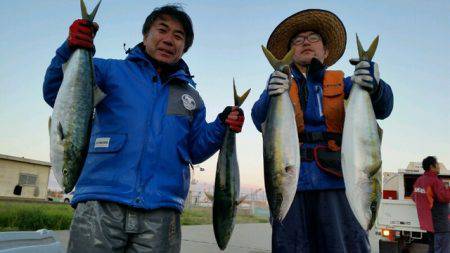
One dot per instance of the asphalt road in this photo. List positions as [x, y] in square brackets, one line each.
[246, 238]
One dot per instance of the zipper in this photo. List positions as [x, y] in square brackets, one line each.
[319, 100]
[140, 185]
[183, 77]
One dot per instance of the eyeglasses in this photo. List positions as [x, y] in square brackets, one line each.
[311, 38]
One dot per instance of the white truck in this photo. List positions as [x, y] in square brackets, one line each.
[397, 222]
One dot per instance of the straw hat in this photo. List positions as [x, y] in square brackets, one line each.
[327, 24]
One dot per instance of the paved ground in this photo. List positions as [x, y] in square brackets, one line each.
[246, 238]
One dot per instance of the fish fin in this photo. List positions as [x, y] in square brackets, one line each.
[60, 131]
[49, 124]
[380, 132]
[241, 199]
[375, 199]
[99, 95]
[64, 67]
[263, 127]
[239, 100]
[367, 55]
[84, 13]
[290, 169]
[277, 64]
[209, 196]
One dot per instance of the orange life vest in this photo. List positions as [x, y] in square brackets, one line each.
[332, 102]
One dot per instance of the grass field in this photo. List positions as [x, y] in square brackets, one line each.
[33, 216]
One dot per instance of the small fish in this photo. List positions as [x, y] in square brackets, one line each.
[227, 184]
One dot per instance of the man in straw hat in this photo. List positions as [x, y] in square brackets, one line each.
[320, 218]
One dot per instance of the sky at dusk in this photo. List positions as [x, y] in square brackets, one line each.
[413, 57]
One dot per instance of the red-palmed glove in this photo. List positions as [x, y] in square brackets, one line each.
[82, 33]
[233, 116]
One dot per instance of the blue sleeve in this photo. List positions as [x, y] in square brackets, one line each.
[205, 138]
[54, 74]
[382, 100]
[347, 86]
[259, 110]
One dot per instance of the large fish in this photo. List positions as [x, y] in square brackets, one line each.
[280, 146]
[361, 155]
[72, 113]
[227, 184]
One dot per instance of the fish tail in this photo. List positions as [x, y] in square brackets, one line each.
[85, 14]
[209, 196]
[239, 100]
[280, 65]
[287, 59]
[367, 55]
[372, 48]
[361, 52]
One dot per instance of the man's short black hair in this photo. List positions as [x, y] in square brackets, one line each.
[428, 162]
[177, 13]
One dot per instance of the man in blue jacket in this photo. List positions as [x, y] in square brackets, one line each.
[146, 132]
[320, 218]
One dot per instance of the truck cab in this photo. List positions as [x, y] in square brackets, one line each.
[397, 221]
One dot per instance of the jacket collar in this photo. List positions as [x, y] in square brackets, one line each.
[180, 70]
[431, 173]
[316, 71]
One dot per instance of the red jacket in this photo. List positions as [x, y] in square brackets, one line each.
[432, 200]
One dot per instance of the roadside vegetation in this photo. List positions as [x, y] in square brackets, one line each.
[28, 216]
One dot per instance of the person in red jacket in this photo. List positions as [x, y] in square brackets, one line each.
[432, 200]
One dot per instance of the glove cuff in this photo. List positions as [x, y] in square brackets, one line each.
[224, 114]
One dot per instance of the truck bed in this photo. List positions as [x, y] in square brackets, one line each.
[399, 215]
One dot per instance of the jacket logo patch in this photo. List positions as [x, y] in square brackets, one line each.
[420, 190]
[102, 142]
[188, 102]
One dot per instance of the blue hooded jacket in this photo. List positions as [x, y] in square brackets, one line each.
[311, 177]
[145, 132]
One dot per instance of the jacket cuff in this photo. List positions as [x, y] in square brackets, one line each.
[64, 51]
[219, 127]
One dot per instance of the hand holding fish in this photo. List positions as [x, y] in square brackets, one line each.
[366, 75]
[82, 33]
[278, 83]
[233, 116]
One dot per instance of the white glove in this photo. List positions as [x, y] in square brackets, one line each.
[278, 83]
[366, 75]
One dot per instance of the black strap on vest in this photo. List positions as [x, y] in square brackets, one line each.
[307, 154]
[313, 137]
